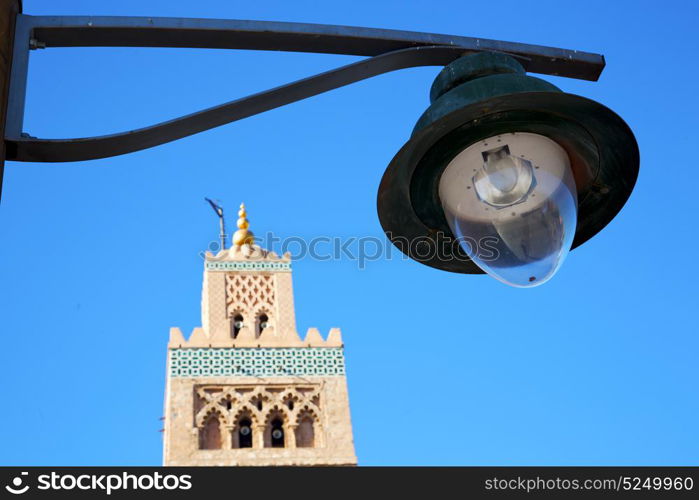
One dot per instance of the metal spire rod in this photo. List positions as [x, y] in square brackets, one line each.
[222, 224]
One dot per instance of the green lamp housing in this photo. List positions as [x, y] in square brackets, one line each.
[488, 95]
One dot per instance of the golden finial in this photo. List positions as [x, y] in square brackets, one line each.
[242, 236]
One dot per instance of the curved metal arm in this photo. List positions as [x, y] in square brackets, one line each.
[60, 150]
[392, 50]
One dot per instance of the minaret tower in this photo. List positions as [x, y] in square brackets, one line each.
[244, 389]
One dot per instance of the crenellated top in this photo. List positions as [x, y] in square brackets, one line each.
[199, 338]
[247, 252]
[247, 257]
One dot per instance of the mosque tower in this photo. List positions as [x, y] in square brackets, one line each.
[244, 388]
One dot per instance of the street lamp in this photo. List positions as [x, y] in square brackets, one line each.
[504, 173]
[505, 167]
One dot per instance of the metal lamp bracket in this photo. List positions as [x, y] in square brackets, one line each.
[387, 50]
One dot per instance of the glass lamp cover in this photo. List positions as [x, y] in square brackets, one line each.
[511, 201]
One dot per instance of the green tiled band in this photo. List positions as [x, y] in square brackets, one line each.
[248, 266]
[257, 362]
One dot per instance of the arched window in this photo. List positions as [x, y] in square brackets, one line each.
[245, 433]
[274, 435]
[305, 434]
[262, 323]
[210, 434]
[236, 325]
[277, 433]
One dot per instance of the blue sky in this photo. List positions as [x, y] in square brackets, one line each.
[98, 259]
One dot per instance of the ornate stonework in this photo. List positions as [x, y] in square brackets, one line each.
[245, 389]
[257, 362]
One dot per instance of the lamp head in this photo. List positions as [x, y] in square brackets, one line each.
[504, 173]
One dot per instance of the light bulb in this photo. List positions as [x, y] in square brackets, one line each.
[245, 430]
[276, 434]
[511, 201]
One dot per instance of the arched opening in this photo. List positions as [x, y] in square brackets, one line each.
[262, 323]
[305, 433]
[210, 434]
[276, 423]
[277, 433]
[236, 325]
[245, 433]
